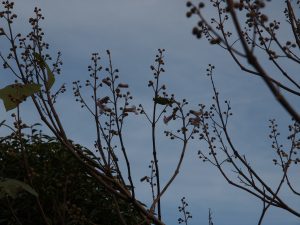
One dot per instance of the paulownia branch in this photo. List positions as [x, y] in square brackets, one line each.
[233, 51]
[158, 70]
[273, 199]
[111, 72]
[253, 61]
[52, 121]
[293, 22]
[176, 171]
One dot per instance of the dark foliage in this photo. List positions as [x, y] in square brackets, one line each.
[68, 194]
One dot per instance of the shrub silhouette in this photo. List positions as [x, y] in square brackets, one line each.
[68, 194]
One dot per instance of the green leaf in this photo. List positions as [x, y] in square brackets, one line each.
[12, 95]
[51, 79]
[12, 187]
[163, 101]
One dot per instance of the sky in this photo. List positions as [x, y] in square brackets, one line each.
[133, 30]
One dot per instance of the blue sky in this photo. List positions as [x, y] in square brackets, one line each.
[133, 30]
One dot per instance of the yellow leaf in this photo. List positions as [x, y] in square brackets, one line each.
[12, 95]
[51, 79]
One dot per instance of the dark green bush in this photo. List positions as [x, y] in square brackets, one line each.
[68, 195]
